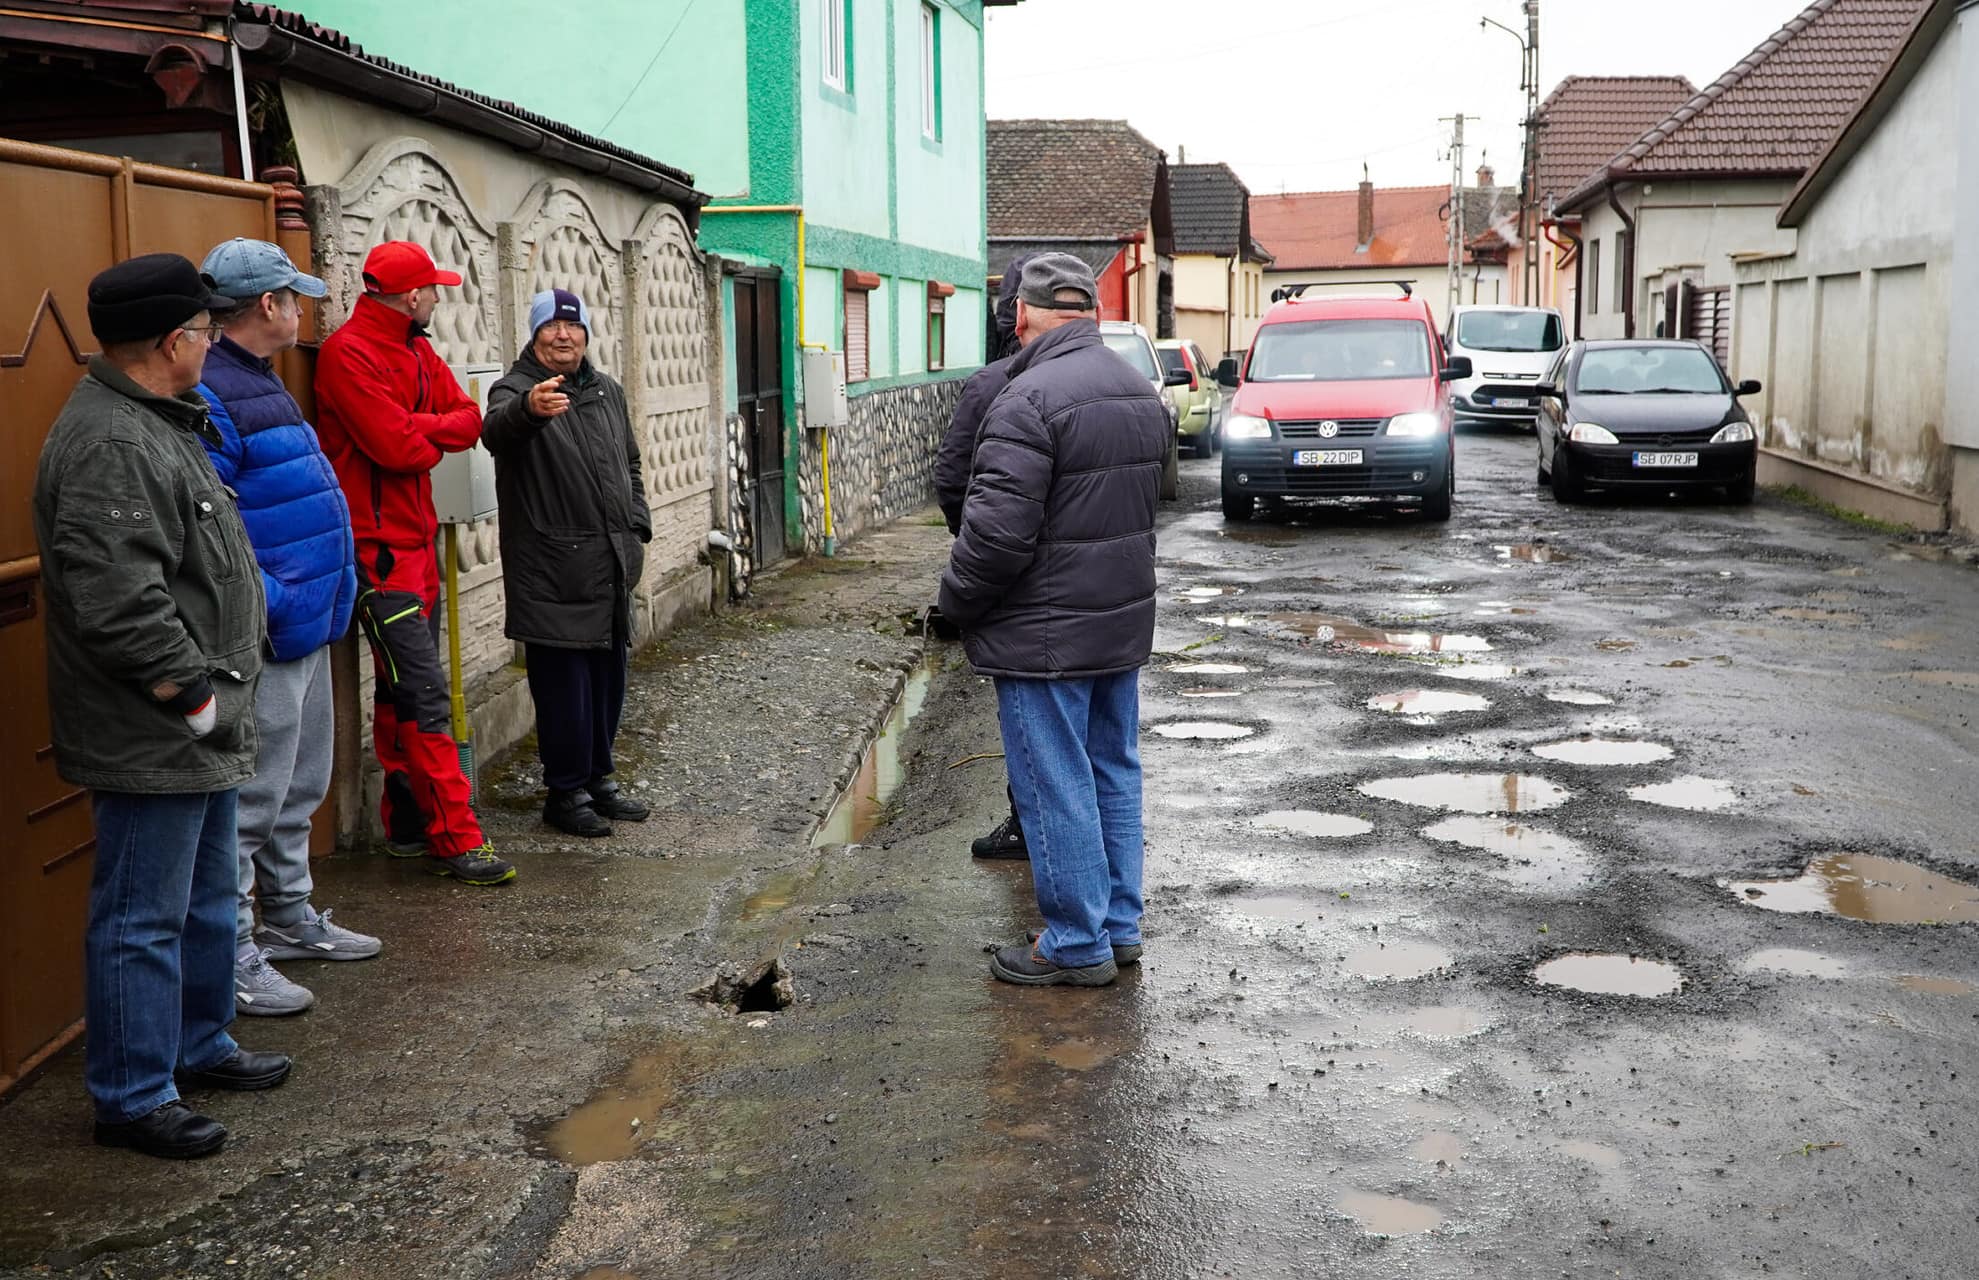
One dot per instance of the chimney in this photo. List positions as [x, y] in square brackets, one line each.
[1365, 235]
[1487, 176]
[1181, 153]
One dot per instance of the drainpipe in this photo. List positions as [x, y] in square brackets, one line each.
[1628, 257]
[1573, 245]
[240, 102]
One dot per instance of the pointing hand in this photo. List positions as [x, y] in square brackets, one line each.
[546, 398]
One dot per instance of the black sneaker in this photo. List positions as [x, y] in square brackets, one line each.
[607, 801]
[476, 866]
[1007, 841]
[172, 1132]
[1027, 967]
[1122, 956]
[571, 812]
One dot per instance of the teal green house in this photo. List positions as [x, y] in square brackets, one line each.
[842, 142]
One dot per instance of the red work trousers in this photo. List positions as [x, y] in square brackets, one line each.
[426, 795]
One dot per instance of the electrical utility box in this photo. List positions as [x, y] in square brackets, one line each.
[824, 390]
[464, 483]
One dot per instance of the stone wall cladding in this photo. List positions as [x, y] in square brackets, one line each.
[883, 464]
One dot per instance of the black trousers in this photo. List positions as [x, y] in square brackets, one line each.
[579, 694]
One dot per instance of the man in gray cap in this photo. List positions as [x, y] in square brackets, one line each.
[155, 632]
[1052, 582]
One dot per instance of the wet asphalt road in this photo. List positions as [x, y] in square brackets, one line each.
[1337, 1059]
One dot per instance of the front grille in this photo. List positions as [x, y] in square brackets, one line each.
[1341, 482]
[1668, 439]
[1350, 429]
[1620, 468]
[1501, 390]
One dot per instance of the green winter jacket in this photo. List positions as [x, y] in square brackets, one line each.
[149, 579]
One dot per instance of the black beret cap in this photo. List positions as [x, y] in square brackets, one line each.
[149, 296]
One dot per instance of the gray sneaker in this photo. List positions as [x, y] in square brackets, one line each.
[315, 938]
[262, 992]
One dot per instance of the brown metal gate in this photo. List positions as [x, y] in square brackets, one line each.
[67, 216]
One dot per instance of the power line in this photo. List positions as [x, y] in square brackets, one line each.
[1168, 54]
[640, 83]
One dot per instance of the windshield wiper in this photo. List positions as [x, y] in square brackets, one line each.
[1672, 391]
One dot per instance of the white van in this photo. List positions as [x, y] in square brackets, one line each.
[1510, 349]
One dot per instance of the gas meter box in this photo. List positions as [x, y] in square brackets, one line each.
[824, 390]
[464, 483]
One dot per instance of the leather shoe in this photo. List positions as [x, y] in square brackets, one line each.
[609, 802]
[244, 1072]
[172, 1132]
[571, 813]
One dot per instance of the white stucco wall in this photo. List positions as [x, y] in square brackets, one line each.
[1688, 230]
[1962, 384]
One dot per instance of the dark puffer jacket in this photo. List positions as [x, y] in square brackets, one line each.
[1052, 576]
[573, 508]
[958, 446]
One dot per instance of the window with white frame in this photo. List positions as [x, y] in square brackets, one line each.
[930, 73]
[832, 37]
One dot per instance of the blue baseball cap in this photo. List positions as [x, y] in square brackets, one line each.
[246, 269]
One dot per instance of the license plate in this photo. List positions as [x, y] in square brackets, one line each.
[1665, 459]
[1327, 458]
[1504, 403]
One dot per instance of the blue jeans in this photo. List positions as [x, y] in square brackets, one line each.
[160, 946]
[1072, 749]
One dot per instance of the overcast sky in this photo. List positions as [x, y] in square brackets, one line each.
[1295, 94]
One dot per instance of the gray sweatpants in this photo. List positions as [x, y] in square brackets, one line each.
[297, 723]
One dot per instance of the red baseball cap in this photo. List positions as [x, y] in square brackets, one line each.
[399, 266]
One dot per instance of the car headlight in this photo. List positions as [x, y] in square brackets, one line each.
[1241, 426]
[1415, 424]
[1589, 433]
[1733, 433]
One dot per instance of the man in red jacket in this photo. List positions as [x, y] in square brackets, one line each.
[387, 409]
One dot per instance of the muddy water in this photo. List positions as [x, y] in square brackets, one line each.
[1320, 628]
[1532, 553]
[1603, 751]
[1276, 906]
[778, 892]
[1212, 693]
[1594, 1153]
[1427, 702]
[1458, 670]
[1204, 731]
[1208, 669]
[1470, 792]
[1388, 1215]
[1792, 960]
[1579, 698]
[1819, 615]
[1703, 795]
[1394, 961]
[1305, 822]
[1535, 857]
[1197, 594]
[1935, 986]
[624, 1114]
[1446, 1149]
[863, 803]
[1443, 1022]
[1610, 975]
[1863, 886]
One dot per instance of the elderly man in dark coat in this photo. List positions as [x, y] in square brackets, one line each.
[1052, 581]
[574, 521]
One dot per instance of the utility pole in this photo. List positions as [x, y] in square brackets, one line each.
[1530, 213]
[1456, 215]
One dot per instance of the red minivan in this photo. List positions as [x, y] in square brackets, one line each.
[1341, 397]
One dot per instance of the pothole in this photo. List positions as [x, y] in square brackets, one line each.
[1276, 906]
[1862, 886]
[1396, 961]
[1427, 702]
[1935, 986]
[1533, 857]
[1442, 1022]
[1704, 795]
[1795, 962]
[1207, 592]
[1440, 1148]
[1212, 693]
[1208, 669]
[1611, 975]
[1322, 628]
[1594, 1153]
[764, 987]
[1306, 822]
[1456, 669]
[1603, 751]
[1841, 616]
[1532, 553]
[624, 1114]
[1470, 792]
[881, 771]
[1204, 731]
[1579, 698]
[1388, 1215]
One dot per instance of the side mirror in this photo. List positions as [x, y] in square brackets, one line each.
[1547, 391]
[1456, 369]
[1750, 387]
[1226, 371]
[1175, 380]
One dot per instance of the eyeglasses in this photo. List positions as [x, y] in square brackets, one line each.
[563, 328]
[207, 333]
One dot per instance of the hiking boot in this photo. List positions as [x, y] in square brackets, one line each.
[1123, 956]
[314, 938]
[406, 848]
[607, 801]
[476, 866]
[262, 992]
[172, 1132]
[1027, 967]
[242, 1071]
[571, 813]
[1007, 841]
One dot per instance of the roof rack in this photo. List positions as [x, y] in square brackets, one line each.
[1285, 291]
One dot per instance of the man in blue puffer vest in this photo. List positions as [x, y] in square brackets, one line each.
[300, 526]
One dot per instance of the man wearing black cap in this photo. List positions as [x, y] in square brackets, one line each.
[155, 631]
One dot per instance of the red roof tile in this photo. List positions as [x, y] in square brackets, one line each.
[1587, 119]
[1320, 230]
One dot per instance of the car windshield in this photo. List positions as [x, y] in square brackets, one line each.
[1132, 348]
[1340, 351]
[1509, 331]
[1172, 359]
[1649, 371]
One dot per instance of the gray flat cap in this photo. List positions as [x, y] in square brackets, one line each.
[1047, 273]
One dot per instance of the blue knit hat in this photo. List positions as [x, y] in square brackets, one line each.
[557, 304]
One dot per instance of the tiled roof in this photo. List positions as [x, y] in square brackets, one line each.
[1212, 210]
[1587, 119]
[1776, 109]
[1320, 230]
[1071, 179]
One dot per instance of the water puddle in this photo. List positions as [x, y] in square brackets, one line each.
[1295, 682]
[1396, 961]
[1319, 628]
[1611, 975]
[1842, 616]
[1207, 593]
[1704, 795]
[1277, 906]
[1614, 645]
[1532, 553]
[1795, 962]
[1443, 1022]
[863, 803]
[623, 1114]
[1259, 535]
[1455, 670]
[1208, 669]
[1861, 886]
[778, 892]
[606, 1273]
[1427, 702]
[1306, 822]
[1442, 1148]
[1603, 751]
[1076, 1055]
[1579, 698]
[1212, 693]
[1470, 792]
[1388, 1215]
[1204, 731]
[1594, 1153]
[1935, 986]
[1535, 857]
